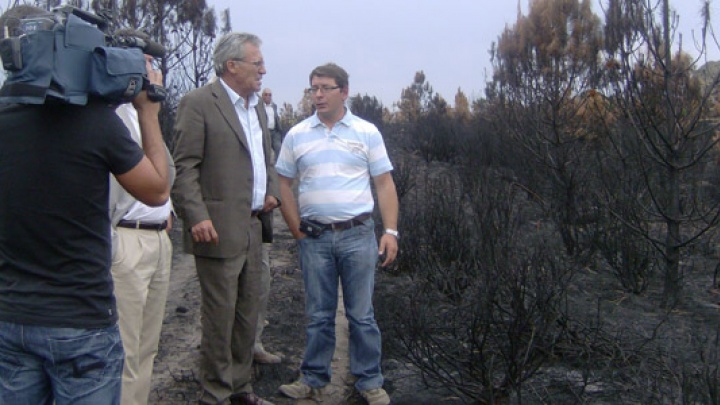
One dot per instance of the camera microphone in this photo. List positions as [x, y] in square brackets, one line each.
[153, 49]
[149, 47]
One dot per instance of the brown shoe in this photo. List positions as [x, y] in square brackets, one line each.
[263, 357]
[248, 398]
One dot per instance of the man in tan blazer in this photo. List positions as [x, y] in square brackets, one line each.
[224, 180]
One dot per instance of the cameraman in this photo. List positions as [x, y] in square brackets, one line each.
[59, 339]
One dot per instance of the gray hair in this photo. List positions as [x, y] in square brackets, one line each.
[232, 46]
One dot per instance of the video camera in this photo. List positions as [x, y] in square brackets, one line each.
[65, 56]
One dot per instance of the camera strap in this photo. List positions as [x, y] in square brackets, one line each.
[19, 90]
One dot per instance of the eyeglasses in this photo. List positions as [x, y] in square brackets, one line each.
[324, 89]
[259, 64]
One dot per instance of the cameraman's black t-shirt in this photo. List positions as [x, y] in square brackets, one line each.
[55, 162]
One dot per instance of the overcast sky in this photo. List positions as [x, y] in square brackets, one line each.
[382, 43]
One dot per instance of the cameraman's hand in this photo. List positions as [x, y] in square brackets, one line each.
[154, 75]
[141, 102]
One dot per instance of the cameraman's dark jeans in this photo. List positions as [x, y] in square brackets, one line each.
[64, 366]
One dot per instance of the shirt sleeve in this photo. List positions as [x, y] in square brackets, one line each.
[123, 152]
[285, 164]
[378, 159]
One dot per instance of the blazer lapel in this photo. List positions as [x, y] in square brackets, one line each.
[227, 109]
[262, 118]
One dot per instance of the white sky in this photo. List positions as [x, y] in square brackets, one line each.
[382, 43]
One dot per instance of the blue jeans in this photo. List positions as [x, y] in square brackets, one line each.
[61, 366]
[350, 256]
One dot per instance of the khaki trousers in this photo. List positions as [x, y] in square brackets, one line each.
[230, 302]
[141, 274]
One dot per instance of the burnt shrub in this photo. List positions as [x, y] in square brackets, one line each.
[632, 259]
[481, 315]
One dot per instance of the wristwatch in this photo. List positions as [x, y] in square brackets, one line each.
[393, 232]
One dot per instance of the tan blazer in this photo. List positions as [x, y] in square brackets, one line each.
[214, 170]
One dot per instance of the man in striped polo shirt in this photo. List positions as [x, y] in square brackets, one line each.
[334, 154]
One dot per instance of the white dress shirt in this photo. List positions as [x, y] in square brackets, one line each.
[253, 133]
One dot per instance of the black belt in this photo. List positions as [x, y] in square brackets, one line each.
[142, 225]
[343, 225]
[255, 213]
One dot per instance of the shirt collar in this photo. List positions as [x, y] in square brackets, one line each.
[345, 120]
[234, 97]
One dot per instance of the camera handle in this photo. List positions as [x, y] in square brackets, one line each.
[85, 16]
[155, 92]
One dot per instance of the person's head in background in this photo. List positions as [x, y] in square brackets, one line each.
[267, 96]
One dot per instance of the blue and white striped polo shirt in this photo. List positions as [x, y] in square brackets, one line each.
[333, 166]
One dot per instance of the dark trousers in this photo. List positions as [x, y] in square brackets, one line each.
[276, 142]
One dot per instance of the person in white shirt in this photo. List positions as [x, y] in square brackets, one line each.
[142, 258]
[274, 124]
